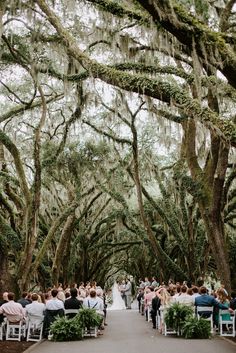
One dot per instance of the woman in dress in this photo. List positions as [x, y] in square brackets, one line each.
[118, 302]
[165, 299]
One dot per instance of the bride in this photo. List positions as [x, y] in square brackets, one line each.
[118, 302]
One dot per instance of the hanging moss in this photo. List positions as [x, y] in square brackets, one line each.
[117, 9]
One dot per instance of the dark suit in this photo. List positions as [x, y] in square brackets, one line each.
[232, 304]
[49, 318]
[156, 303]
[72, 303]
[24, 302]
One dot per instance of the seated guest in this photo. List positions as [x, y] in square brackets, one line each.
[54, 308]
[54, 303]
[23, 300]
[195, 292]
[232, 303]
[3, 301]
[184, 297]
[94, 302]
[67, 295]
[4, 298]
[61, 296]
[12, 310]
[35, 309]
[72, 302]
[223, 299]
[208, 300]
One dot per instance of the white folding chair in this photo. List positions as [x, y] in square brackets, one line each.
[35, 328]
[227, 323]
[2, 329]
[71, 311]
[209, 310]
[91, 332]
[15, 329]
[165, 330]
[149, 318]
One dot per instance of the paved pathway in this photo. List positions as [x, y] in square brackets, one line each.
[129, 333]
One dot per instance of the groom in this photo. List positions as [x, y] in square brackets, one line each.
[128, 294]
[122, 289]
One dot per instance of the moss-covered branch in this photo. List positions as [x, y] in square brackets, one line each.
[118, 10]
[104, 133]
[159, 89]
[22, 107]
[11, 147]
[210, 46]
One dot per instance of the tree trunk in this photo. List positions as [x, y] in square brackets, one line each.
[62, 245]
[211, 180]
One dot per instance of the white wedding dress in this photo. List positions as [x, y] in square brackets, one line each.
[118, 303]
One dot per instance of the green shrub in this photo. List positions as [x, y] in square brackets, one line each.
[88, 318]
[176, 315]
[64, 329]
[194, 328]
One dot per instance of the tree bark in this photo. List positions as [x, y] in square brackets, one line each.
[62, 245]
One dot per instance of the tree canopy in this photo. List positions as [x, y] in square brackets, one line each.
[117, 140]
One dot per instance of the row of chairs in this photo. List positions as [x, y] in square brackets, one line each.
[227, 323]
[32, 329]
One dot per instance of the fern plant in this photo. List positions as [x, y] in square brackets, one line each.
[88, 318]
[176, 315]
[64, 329]
[194, 328]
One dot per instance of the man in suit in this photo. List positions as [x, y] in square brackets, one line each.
[23, 300]
[156, 303]
[72, 302]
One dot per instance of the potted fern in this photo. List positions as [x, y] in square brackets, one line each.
[176, 315]
[64, 329]
[196, 328]
[88, 318]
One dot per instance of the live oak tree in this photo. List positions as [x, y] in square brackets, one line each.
[179, 57]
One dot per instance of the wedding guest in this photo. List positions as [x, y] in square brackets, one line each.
[24, 300]
[12, 310]
[36, 308]
[232, 304]
[3, 301]
[72, 302]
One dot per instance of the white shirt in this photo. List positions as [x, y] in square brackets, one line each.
[35, 308]
[186, 299]
[54, 304]
[94, 303]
